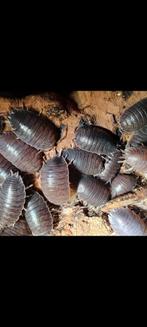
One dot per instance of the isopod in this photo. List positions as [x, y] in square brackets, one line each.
[20, 228]
[126, 222]
[139, 137]
[126, 94]
[55, 180]
[84, 161]
[136, 158]
[12, 200]
[38, 216]
[93, 191]
[34, 128]
[112, 166]
[21, 155]
[5, 168]
[122, 184]
[96, 139]
[134, 117]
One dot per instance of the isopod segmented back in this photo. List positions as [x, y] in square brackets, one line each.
[139, 137]
[126, 222]
[86, 162]
[93, 191]
[55, 180]
[5, 168]
[122, 184]
[96, 139]
[20, 154]
[34, 128]
[134, 117]
[20, 228]
[38, 215]
[12, 200]
[136, 158]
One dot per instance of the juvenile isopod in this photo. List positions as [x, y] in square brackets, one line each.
[38, 215]
[21, 155]
[20, 228]
[126, 94]
[55, 180]
[111, 167]
[34, 128]
[96, 139]
[12, 200]
[136, 158]
[122, 184]
[93, 191]
[86, 162]
[5, 168]
[134, 117]
[126, 222]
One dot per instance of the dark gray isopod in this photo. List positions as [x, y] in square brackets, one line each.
[20, 228]
[86, 162]
[93, 191]
[134, 117]
[122, 184]
[136, 158]
[5, 168]
[38, 215]
[96, 139]
[126, 222]
[12, 199]
[139, 137]
[34, 128]
[55, 180]
[21, 155]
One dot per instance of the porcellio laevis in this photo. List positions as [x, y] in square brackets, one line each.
[20, 228]
[93, 191]
[136, 158]
[21, 155]
[126, 222]
[139, 137]
[96, 139]
[122, 184]
[12, 200]
[84, 161]
[5, 168]
[112, 166]
[38, 215]
[134, 117]
[34, 128]
[55, 180]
